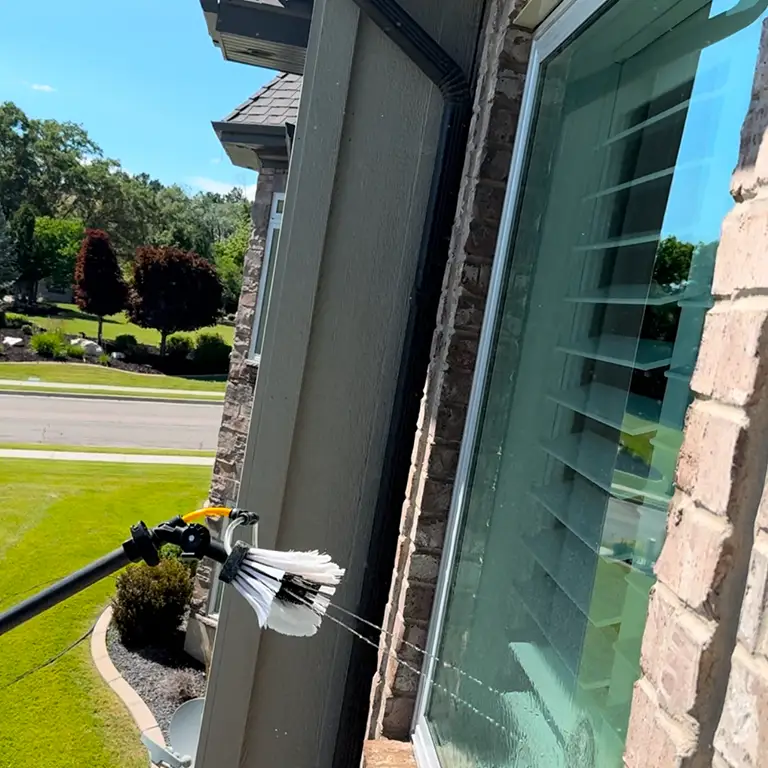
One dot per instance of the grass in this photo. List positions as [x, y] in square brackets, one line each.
[91, 449]
[83, 373]
[57, 517]
[72, 320]
[103, 393]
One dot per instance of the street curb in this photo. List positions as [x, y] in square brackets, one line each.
[139, 711]
[122, 398]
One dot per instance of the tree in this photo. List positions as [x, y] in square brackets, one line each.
[673, 262]
[229, 257]
[99, 285]
[173, 290]
[9, 270]
[57, 242]
[31, 269]
[42, 162]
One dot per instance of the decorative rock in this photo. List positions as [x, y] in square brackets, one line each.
[12, 341]
[90, 348]
[118, 356]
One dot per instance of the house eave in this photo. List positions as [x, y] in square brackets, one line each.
[254, 146]
[263, 33]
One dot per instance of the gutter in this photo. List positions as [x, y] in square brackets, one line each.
[454, 87]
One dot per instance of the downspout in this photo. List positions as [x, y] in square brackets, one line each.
[454, 87]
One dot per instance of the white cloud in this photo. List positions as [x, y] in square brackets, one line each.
[44, 88]
[215, 160]
[220, 187]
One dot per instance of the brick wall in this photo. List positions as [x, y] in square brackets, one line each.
[501, 78]
[696, 689]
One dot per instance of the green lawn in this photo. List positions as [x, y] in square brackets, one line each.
[72, 320]
[59, 516]
[85, 373]
[91, 449]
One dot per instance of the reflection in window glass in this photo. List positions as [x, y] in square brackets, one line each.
[267, 275]
[635, 137]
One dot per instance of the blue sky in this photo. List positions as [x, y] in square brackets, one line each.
[142, 76]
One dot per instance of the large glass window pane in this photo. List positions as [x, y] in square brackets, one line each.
[634, 139]
[265, 288]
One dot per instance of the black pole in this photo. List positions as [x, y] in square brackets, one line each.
[68, 586]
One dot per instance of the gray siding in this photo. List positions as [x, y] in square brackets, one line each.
[357, 192]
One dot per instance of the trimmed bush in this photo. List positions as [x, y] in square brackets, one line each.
[104, 359]
[150, 602]
[172, 552]
[75, 352]
[125, 342]
[178, 347]
[51, 345]
[211, 353]
[27, 329]
[182, 685]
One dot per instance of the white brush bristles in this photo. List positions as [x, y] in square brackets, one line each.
[289, 591]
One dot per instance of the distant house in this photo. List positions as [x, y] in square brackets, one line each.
[257, 136]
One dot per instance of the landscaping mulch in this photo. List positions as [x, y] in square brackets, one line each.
[154, 673]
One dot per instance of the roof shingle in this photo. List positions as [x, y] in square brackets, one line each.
[277, 103]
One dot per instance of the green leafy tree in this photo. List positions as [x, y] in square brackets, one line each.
[31, 268]
[59, 170]
[173, 290]
[229, 257]
[99, 285]
[9, 270]
[673, 262]
[42, 162]
[57, 242]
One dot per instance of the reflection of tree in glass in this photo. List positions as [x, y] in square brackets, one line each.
[673, 263]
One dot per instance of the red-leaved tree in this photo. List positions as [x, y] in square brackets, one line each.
[99, 285]
[173, 290]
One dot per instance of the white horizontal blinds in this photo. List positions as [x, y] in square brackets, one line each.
[603, 496]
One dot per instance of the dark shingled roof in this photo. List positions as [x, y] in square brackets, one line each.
[277, 103]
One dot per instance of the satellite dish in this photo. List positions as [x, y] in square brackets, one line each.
[184, 730]
[183, 733]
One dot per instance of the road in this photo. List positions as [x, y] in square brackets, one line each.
[122, 423]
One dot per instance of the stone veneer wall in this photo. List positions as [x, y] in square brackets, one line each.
[225, 483]
[501, 77]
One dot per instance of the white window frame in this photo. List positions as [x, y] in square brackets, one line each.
[275, 225]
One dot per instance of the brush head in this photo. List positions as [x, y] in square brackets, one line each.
[289, 591]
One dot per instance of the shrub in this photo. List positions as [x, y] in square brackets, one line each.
[51, 345]
[75, 352]
[211, 353]
[104, 359]
[27, 329]
[125, 342]
[150, 602]
[172, 552]
[178, 347]
[15, 321]
[182, 685]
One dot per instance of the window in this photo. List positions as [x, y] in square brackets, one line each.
[267, 274]
[579, 405]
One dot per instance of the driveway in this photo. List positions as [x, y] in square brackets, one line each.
[121, 423]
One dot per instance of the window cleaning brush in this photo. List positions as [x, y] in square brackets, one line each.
[289, 591]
